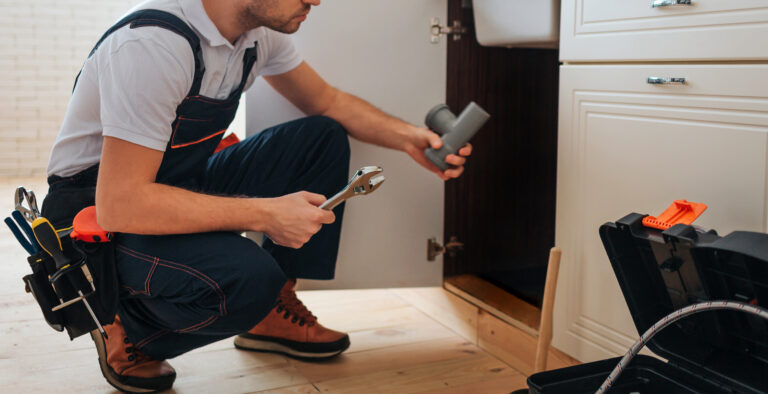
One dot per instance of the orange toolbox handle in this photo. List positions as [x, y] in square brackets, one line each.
[681, 211]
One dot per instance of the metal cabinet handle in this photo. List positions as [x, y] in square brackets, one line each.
[665, 81]
[667, 3]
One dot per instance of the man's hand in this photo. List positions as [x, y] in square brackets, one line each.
[423, 138]
[295, 218]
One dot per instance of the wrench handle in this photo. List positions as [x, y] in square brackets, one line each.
[332, 202]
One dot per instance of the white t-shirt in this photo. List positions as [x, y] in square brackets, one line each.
[131, 86]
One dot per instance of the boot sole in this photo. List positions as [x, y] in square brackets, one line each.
[267, 346]
[113, 378]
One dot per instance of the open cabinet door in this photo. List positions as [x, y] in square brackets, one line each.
[381, 52]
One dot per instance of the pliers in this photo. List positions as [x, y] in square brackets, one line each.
[19, 197]
[29, 243]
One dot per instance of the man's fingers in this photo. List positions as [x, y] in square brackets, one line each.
[466, 150]
[314, 198]
[441, 174]
[455, 160]
[454, 172]
[327, 217]
[431, 166]
[281, 242]
[434, 141]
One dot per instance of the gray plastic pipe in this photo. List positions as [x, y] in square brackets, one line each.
[455, 131]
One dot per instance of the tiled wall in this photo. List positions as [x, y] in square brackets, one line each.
[42, 46]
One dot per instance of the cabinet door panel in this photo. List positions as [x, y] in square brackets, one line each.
[633, 30]
[626, 146]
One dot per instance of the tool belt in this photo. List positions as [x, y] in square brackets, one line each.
[74, 277]
[91, 274]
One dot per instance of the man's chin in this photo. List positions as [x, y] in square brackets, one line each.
[288, 28]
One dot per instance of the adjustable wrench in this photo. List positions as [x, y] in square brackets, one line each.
[365, 180]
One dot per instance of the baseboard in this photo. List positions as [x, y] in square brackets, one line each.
[506, 341]
[496, 301]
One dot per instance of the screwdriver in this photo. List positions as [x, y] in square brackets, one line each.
[49, 241]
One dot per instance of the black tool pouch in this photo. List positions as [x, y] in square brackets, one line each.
[93, 273]
[96, 275]
[100, 260]
[38, 284]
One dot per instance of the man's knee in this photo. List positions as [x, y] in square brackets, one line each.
[254, 277]
[332, 133]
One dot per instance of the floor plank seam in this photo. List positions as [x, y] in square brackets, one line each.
[435, 320]
[476, 343]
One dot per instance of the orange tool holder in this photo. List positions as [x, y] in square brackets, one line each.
[681, 211]
[86, 229]
[227, 142]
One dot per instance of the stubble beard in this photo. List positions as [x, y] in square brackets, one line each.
[261, 13]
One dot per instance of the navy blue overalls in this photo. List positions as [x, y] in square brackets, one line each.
[180, 292]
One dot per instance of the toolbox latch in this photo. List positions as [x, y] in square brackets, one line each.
[680, 212]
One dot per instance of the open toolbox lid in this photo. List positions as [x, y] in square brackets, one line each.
[660, 271]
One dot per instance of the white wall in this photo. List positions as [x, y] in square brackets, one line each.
[43, 43]
[380, 51]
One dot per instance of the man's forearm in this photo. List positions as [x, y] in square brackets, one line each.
[303, 87]
[367, 123]
[128, 200]
[161, 209]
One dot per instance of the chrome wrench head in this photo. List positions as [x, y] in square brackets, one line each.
[365, 181]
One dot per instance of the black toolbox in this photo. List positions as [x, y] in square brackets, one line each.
[662, 271]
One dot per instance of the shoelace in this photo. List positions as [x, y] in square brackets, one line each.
[291, 305]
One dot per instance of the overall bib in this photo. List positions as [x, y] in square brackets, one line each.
[180, 292]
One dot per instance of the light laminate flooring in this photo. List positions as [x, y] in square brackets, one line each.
[398, 346]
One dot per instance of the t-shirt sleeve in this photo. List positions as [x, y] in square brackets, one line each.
[141, 83]
[282, 55]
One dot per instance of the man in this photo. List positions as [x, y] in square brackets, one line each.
[148, 109]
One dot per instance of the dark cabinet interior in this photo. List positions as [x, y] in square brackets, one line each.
[503, 208]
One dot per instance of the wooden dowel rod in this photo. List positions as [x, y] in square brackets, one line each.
[547, 306]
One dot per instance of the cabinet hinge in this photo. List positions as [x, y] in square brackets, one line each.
[434, 248]
[436, 30]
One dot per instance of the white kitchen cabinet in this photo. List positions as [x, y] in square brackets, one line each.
[626, 145]
[633, 30]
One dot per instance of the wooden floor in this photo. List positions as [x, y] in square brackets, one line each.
[403, 341]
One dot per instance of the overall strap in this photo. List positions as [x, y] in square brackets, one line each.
[167, 21]
[249, 60]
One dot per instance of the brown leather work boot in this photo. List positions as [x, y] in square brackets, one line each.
[125, 367]
[291, 329]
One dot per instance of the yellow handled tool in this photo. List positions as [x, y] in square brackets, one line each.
[49, 241]
[47, 238]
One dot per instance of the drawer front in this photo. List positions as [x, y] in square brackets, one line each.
[629, 146]
[633, 30]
